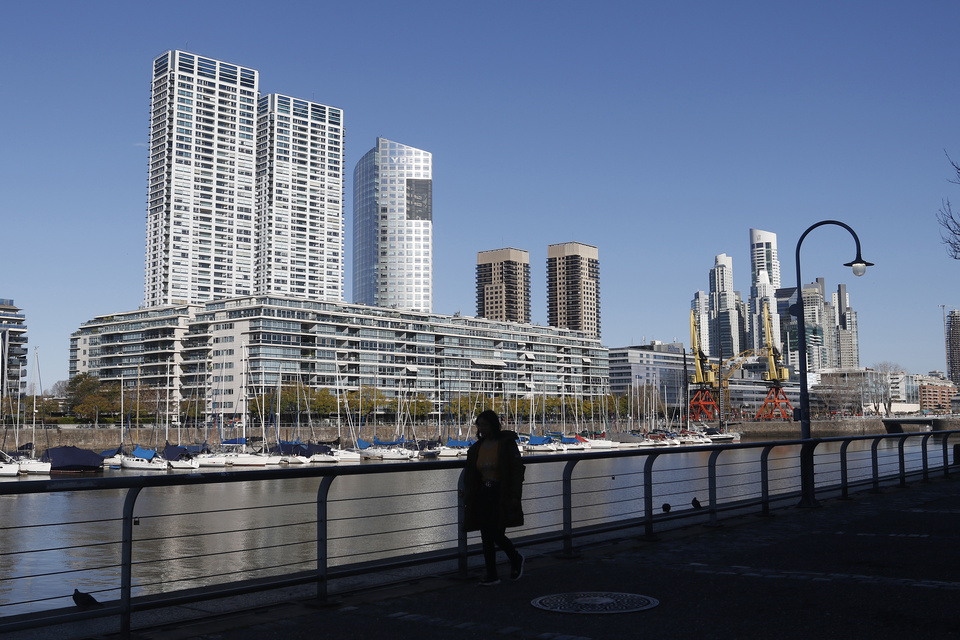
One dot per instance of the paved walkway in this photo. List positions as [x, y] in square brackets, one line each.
[878, 566]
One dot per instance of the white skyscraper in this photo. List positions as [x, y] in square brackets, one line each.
[299, 199]
[393, 227]
[245, 193]
[764, 282]
[201, 199]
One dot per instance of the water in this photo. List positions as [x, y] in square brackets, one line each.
[196, 535]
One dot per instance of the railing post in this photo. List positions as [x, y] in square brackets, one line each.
[126, 559]
[876, 463]
[924, 457]
[946, 455]
[322, 537]
[567, 489]
[807, 473]
[648, 494]
[901, 446]
[461, 531]
[712, 484]
[844, 477]
[765, 479]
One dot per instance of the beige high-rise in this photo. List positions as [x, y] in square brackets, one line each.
[573, 287]
[503, 285]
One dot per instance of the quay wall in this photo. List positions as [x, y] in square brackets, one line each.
[101, 439]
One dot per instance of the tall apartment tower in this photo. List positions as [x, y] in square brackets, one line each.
[201, 191]
[724, 324]
[953, 346]
[393, 227]
[573, 287]
[299, 210]
[13, 352]
[503, 285]
[764, 282]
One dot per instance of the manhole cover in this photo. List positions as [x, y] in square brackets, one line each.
[594, 602]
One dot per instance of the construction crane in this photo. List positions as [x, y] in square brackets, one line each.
[702, 404]
[725, 370]
[775, 405]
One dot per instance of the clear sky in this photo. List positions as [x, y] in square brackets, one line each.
[661, 132]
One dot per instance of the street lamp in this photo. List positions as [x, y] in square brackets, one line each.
[859, 266]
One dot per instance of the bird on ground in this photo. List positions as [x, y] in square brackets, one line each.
[696, 504]
[85, 600]
[666, 508]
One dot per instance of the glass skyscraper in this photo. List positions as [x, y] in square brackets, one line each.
[393, 227]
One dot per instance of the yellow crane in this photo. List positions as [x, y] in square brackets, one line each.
[775, 405]
[702, 405]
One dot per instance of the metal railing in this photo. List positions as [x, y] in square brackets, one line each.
[141, 542]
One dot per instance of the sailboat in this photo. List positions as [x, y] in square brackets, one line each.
[32, 464]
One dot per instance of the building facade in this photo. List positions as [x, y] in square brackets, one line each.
[201, 189]
[764, 282]
[299, 193]
[244, 193]
[503, 285]
[13, 354]
[573, 287]
[223, 354]
[393, 227]
[952, 329]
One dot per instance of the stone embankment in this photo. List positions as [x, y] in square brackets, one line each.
[101, 439]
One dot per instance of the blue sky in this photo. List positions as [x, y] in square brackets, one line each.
[659, 132]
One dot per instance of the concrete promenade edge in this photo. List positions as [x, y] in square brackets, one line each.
[880, 565]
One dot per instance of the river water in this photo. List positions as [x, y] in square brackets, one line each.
[196, 535]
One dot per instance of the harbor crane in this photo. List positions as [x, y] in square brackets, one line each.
[702, 404]
[775, 405]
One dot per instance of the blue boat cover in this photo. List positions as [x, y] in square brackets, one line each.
[362, 444]
[539, 440]
[146, 454]
[459, 443]
[235, 441]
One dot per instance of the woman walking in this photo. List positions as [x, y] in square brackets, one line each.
[493, 487]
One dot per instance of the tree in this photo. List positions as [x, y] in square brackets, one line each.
[950, 220]
[881, 387]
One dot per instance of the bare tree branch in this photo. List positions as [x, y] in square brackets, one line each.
[950, 220]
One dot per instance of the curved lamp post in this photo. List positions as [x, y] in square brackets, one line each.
[859, 266]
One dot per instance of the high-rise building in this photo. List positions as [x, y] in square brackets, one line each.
[201, 191]
[393, 227]
[503, 285]
[13, 351]
[953, 346]
[573, 287]
[764, 282]
[725, 324]
[299, 210]
[245, 193]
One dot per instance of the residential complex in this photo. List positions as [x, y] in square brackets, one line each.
[393, 227]
[13, 353]
[573, 287]
[503, 285]
[224, 353]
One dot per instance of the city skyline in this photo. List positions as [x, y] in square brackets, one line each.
[696, 129]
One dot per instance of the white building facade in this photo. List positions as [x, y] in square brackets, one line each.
[393, 227]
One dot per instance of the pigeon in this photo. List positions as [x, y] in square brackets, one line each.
[696, 504]
[666, 508]
[85, 600]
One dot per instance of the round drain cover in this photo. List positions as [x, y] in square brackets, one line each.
[594, 602]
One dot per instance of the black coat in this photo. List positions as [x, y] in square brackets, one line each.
[511, 472]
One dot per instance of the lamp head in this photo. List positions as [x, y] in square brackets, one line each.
[858, 264]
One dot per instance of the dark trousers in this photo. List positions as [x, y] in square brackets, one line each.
[492, 531]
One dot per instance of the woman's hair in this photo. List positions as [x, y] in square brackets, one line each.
[491, 419]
